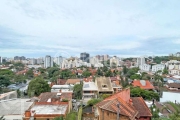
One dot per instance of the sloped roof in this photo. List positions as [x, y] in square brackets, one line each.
[44, 97]
[174, 85]
[72, 81]
[143, 84]
[131, 107]
[141, 107]
[122, 98]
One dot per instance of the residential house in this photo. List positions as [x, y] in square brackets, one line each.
[61, 81]
[73, 81]
[56, 97]
[121, 107]
[173, 86]
[174, 71]
[62, 88]
[158, 67]
[145, 67]
[116, 86]
[104, 85]
[143, 84]
[90, 90]
[13, 109]
[46, 110]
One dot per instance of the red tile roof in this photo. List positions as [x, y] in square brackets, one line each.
[147, 86]
[61, 82]
[131, 107]
[141, 107]
[44, 97]
[126, 108]
[73, 81]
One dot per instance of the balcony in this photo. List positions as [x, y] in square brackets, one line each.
[88, 94]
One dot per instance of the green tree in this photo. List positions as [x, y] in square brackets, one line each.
[147, 95]
[65, 74]
[71, 116]
[135, 76]
[99, 72]
[38, 86]
[4, 80]
[176, 114]
[165, 71]
[30, 73]
[19, 78]
[52, 71]
[158, 80]
[78, 91]
[125, 70]
[108, 73]
[93, 102]
[86, 74]
[58, 118]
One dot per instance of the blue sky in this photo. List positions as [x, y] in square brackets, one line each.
[35, 28]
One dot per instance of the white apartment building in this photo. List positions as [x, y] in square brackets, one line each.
[33, 61]
[174, 72]
[59, 61]
[94, 60]
[145, 67]
[114, 60]
[158, 67]
[48, 61]
[40, 61]
[140, 61]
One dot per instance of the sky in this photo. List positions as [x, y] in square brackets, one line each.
[35, 28]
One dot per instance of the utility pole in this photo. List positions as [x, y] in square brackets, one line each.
[118, 111]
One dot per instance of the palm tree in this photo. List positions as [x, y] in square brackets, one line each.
[175, 115]
[158, 79]
[2, 118]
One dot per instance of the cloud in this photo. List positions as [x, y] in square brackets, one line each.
[118, 27]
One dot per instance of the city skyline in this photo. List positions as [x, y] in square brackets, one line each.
[67, 28]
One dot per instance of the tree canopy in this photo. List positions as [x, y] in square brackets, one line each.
[38, 86]
[78, 91]
[147, 95]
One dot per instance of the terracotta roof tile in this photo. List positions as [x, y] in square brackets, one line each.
[73, 81]
[141, 106]
[147, 86]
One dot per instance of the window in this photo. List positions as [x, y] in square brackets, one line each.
[104, 86]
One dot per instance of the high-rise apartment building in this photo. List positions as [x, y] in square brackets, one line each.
[85, 57]
[59, 61]
[19, 58]
[0, 60]
[140, 61]
[48, 61]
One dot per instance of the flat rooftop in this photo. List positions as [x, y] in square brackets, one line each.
[50, 109]
[14, 106]
[89, 86]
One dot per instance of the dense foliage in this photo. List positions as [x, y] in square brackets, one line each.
[147, 95]
[38, 86]
[93, 101]
[80, 113]
[71, 116]
[78, 91]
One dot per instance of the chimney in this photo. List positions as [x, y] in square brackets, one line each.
[130, 101]
[60, 90]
